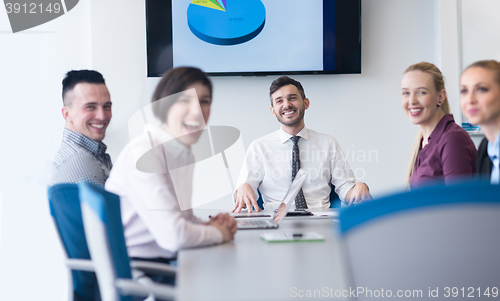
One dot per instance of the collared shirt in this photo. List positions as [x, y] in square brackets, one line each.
[80, 159]
[154, 225]
[268, 167]
[493, 153]
[449, 154]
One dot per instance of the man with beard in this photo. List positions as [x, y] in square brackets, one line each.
[273, 160]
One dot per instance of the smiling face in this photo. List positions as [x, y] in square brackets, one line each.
[89, 110]
[420, 99]
[480, 96]
[188, 116]
[288, 106]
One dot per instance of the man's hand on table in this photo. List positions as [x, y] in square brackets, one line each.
[358, 193]
[245, 198]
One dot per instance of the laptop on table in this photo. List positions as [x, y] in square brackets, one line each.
[280, 213]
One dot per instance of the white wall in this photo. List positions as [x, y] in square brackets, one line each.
[480, 34]
[449, 52]
[362, 111]
[32, 65]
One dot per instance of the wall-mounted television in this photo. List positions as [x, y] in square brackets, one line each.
[254, 37]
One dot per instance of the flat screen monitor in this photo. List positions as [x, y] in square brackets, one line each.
[254, 37]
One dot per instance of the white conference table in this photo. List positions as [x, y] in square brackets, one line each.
[251, 269]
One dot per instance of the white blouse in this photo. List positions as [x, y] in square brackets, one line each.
[151, 183]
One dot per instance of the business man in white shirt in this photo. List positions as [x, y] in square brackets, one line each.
[272, 161]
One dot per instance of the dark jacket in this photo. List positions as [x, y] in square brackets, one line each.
[484, 164]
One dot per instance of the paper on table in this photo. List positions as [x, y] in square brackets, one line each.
[292, 237]
[326, 213]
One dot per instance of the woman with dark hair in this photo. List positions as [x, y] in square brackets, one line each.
[480, 101]
[443, 151]
[153, 174]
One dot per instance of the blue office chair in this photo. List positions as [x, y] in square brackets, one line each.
[64, 203]
[65, 210]
[335, 201]
[435, 237]
[104, 232]
[260, 201]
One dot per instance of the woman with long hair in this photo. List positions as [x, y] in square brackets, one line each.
[480, 102]
[443, 151]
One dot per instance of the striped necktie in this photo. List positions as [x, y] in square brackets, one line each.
[300, 201]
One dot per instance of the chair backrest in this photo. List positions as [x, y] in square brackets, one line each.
[65, 210]
[104, 231]
[334, 198]
[416, 242]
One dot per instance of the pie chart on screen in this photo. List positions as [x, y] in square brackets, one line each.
[226, 22]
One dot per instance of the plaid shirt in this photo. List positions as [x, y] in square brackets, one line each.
[80, 159]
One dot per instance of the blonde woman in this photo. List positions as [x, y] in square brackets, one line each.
[443, 151]
[480, 101]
